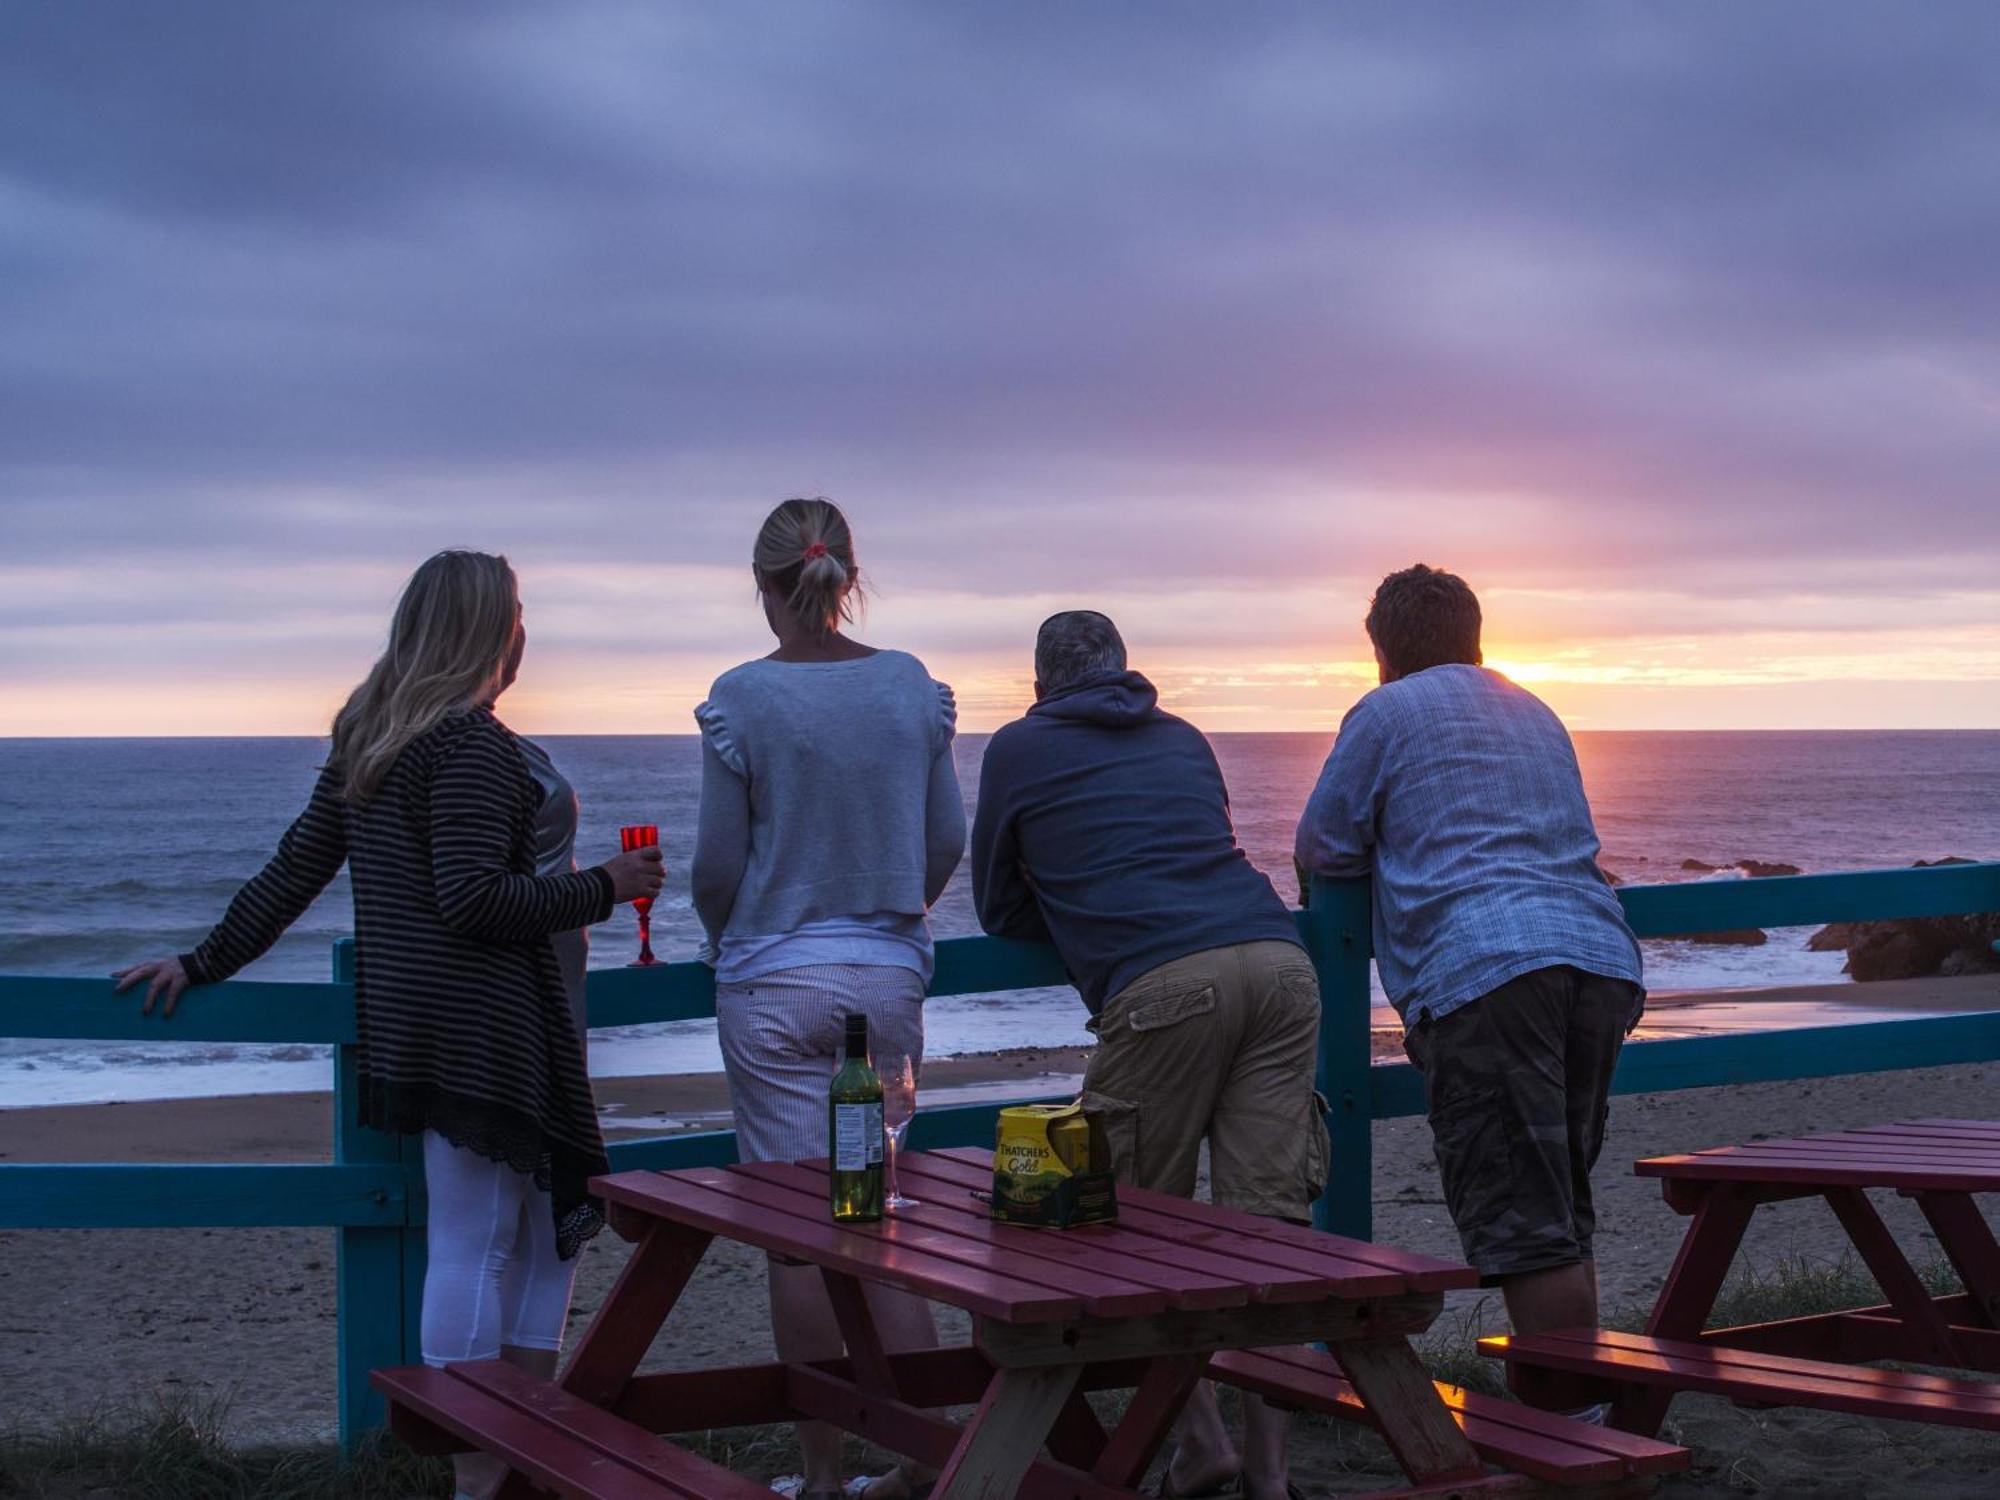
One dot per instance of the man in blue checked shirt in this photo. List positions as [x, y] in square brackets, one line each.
[1497, 936]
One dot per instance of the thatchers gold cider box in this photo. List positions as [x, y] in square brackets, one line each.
[1052, 1167]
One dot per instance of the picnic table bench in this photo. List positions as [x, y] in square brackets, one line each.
[1817, 1360]
[1171, 1292]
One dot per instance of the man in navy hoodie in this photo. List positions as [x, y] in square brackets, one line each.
[1103, 827]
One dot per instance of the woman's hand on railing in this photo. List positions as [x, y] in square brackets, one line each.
[162, 976]
[639, 873]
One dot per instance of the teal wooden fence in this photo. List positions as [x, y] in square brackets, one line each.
[372, 1191]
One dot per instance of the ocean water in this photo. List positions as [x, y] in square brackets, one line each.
[117, 850]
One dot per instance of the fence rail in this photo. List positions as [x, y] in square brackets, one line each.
[372, 1191]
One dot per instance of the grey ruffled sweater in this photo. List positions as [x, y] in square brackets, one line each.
[827, 791]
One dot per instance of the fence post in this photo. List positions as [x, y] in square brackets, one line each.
[1336, 927]
[375, 1303]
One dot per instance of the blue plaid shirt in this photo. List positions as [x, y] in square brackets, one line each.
[1459, 792]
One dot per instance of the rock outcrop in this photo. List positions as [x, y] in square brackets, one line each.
[1757, 869]
[1751, 867]
[1915, 947]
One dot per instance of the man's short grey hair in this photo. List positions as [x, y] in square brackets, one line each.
[1074, 644]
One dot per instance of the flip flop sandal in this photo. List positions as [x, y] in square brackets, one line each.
[857, 1487]
[793, 1487]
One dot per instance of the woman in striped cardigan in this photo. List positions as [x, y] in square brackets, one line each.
[469, 959]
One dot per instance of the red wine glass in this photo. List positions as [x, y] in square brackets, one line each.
[641, 836]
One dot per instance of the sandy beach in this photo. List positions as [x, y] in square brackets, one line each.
[108, 1318]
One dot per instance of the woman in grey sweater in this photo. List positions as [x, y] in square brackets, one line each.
[830, 822]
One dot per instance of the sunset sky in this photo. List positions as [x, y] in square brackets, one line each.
[1675, 329]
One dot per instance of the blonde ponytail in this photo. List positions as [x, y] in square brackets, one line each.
[805, 555]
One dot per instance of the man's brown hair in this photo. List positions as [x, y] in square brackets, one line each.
[1424, 617]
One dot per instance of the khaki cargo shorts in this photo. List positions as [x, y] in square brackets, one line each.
[1218, 1045]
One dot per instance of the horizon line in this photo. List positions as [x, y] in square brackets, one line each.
[1210, 733]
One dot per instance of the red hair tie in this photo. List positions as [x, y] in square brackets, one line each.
[817, 549]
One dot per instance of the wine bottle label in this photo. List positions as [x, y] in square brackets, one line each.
[857, 1136]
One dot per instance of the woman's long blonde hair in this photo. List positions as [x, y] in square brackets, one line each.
[449, 643]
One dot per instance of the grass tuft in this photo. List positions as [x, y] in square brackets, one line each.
[1450, 1350]
[1799, 1286]
[175, 1450]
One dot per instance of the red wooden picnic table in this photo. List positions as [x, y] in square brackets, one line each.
[1142, 1304]
[1817, 1359]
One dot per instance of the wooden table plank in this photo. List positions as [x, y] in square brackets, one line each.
[1162, 1261]
[1981, 1393]
[1425, 1273]
[1862, 1156]
[554, 1459]
[1354, 1267]
[671, 1196]
[1839, 1387]
[1336, 1276]
[1780, 1169]
[1104, 1295]
[617, 1439]
[1917, 1139]
[1141, 1237]
[1910, 1155]
[1878, 1148]
[1977, 1127]
[1861, 1159]
[1057, 1258]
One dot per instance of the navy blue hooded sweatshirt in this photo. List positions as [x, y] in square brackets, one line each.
[1103, 827]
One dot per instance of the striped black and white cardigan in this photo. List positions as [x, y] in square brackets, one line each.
[464, 1025]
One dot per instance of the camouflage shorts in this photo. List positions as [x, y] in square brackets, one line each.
[1517, 1084]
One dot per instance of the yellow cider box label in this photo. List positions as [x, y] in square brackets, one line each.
[1051, 1167]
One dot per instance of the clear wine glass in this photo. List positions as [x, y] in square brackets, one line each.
[641, 836]
[898, 1072]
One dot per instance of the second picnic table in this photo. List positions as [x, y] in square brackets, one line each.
[1171, 1291]
[1816, 1359]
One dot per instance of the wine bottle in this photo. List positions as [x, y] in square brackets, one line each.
[854, 1131]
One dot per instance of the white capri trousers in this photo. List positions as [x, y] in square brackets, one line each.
[782, 1036]
[494, 1277]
